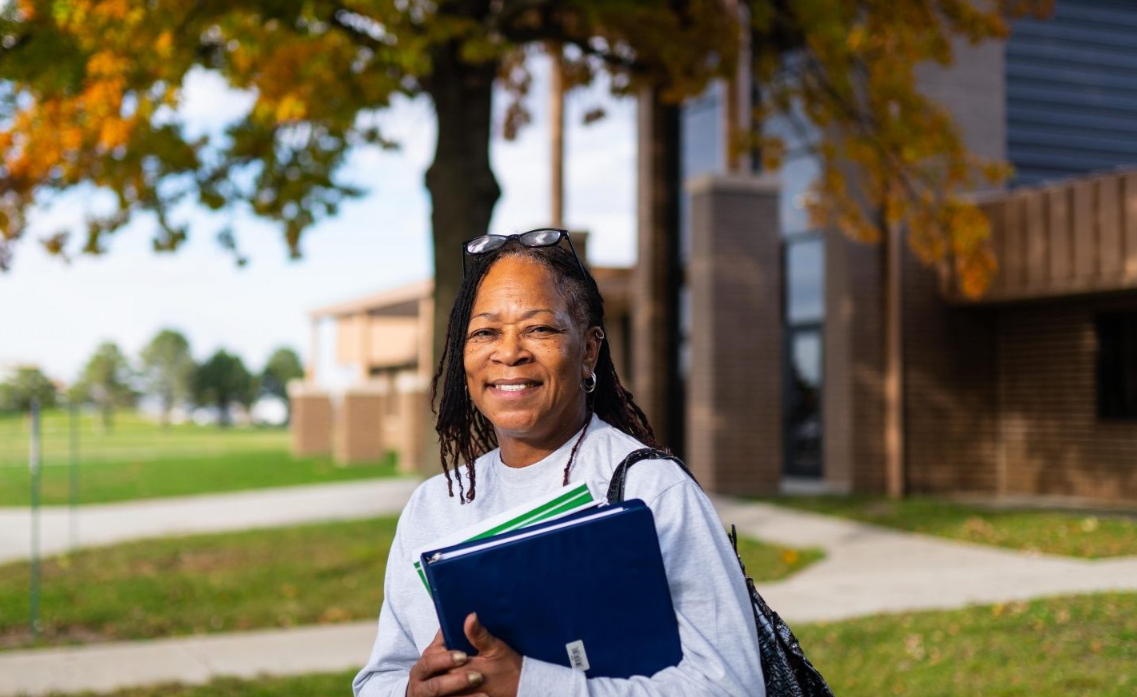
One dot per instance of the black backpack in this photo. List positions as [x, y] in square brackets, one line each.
[787, 672]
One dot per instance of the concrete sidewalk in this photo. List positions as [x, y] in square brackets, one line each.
[193, 660]
[867, 570]
[103, 524]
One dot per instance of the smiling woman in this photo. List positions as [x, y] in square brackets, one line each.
[527, 359]
[550, 294]
[528, 402]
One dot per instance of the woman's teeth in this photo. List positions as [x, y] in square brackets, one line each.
[514, 388]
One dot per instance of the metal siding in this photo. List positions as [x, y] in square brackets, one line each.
[1072, 91]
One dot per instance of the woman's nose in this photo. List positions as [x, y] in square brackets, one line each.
[511, 349]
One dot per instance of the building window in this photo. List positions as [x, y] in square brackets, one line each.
[803, 403]
[805, 280]
[1117, 365]
[804, 316]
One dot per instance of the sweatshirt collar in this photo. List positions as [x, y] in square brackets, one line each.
[540, 470]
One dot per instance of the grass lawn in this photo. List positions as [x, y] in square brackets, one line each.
[1075, 647]
[139, 459]
[1051, 532]
[1084, 645]
[319, 685]
[218, 583]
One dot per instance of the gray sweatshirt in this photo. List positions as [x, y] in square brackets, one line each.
[716, 628]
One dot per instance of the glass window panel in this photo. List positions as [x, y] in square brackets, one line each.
[803, 414]
[1117, 365]
[700, 124]
[805, 281]
[807, 358]
[701, 136]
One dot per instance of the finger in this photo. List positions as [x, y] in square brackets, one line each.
[438, 660]
[451, 683]
[480, 637]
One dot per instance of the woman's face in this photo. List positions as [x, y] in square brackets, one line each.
[525, 356]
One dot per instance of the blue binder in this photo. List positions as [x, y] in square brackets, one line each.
[588, 591]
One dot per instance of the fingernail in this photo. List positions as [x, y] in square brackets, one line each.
[459, 657]
[475, 678]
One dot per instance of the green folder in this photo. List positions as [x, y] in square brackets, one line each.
[549, 507]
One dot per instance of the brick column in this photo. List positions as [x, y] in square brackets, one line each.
[311, 421]
[413, 403]
[357, 432]
[734, 403]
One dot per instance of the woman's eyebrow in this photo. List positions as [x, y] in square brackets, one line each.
[494, 317]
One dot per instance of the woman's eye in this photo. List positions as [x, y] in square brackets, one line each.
[541, 329]
[481, 333]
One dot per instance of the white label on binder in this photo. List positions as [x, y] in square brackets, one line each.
[578, 659]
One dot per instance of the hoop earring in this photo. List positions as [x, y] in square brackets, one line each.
[588, 385]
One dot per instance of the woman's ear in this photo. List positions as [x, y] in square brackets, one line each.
[593, 338]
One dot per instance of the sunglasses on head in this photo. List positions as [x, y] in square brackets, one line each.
[541, 237]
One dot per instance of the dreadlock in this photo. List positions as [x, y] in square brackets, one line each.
[464, 434]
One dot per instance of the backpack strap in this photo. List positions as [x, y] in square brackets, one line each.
[616, 487]
[785, 669]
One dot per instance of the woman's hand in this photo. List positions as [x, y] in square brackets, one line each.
[497, 663]
[441, 672]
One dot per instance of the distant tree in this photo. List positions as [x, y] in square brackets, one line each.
[106, 381]
[167, 367]
[283, 365]
[222, 380]
[18, 391]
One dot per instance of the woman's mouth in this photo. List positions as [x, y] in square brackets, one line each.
[513, 389]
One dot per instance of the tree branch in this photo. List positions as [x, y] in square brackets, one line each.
[337, 20]
[555, 33]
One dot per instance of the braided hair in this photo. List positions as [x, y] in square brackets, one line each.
[464, 433]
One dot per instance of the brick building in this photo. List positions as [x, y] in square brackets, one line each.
[1031, 390]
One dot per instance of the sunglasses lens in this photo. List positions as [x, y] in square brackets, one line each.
[540, 238]
[483, 244]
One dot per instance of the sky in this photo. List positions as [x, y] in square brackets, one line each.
[54, 314]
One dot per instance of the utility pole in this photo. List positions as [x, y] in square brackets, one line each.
[34, 462]
[557, 135]
[895, 478]
[73, 465]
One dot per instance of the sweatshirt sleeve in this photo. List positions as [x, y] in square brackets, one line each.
[716, 625]
[387, 671]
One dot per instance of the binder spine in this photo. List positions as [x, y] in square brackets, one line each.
[435, 597]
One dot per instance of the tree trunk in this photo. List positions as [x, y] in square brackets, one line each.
[223, 418]
[462, 186]
[657, 276]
